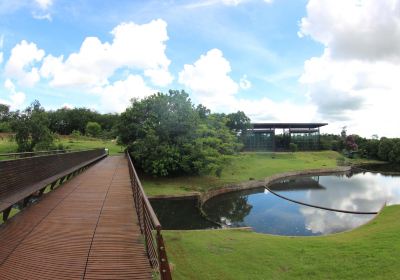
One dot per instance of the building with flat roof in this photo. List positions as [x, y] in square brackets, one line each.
[263, 136]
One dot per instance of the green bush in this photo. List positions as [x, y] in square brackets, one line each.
[93, 129]
[293, 147]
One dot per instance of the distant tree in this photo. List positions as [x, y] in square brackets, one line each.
[65, 120]
[93, 129]
[5, 118]
[238, 122]
[350, 143]
[385, 147]
[32, 129]
[4, 112]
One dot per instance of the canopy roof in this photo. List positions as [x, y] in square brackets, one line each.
[287, 125]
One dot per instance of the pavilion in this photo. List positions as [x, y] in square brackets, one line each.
[263, 137]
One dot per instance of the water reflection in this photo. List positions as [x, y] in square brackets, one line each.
[268, 213]
[180, 214]
[364, 192]
[271, 214]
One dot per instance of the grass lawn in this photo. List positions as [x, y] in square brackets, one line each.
[369, 252]
[7, 146]
[243, 167]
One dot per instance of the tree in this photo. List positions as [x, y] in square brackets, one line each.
[5, 117]
[167, 135]
[32, 129]
[4, 112]
[350, 143]
[238, 122]
[385, 147]
[93, 129]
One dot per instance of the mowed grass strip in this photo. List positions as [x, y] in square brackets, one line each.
[369, 252]
[243, 167]
[70, 143]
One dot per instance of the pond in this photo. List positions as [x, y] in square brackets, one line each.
[266, 212]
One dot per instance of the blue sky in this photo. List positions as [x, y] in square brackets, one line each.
[277, 60]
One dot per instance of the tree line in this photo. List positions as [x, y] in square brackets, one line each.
[165, 133]
[385, 149]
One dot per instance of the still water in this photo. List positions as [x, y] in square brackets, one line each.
[268, 213]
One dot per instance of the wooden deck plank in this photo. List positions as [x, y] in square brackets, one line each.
[86, 229]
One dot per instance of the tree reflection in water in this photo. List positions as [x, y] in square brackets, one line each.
[231, 208]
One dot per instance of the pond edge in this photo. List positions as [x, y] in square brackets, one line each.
[252, 184]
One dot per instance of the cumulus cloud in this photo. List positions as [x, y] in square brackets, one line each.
[46, 16]
[21, 64]
[116, 97]
[15, 99]
[44, 4]
[1, 57]
[134, 46]
[208, 80]
[366, 29]
[359, 64]
[209, 83]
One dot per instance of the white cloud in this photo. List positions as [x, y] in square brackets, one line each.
[21, 64]
[208, 80]
[365, 29]
[44, 4]
[244, 83]
[206, 3]
[209, 83]
[16, 99]
[265, 109]
[136, 47]
[116, 97]
[355, 81]
[1, 57]
[46, 16]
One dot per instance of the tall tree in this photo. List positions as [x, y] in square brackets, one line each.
[167, 135]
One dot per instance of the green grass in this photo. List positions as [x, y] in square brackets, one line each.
[90, 143]
[369, 252]
[8, 146]
[243, 167]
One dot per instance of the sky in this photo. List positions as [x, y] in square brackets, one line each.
[333, 61]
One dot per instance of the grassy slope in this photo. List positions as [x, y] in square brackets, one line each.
[7, 146]
[242, 168]
[369, 252]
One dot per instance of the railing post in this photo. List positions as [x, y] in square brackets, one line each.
[165, 271]
[146, 238]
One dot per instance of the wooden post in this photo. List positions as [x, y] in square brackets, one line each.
[26, 200]
[53, 185]
[6, 213]
[165, 271]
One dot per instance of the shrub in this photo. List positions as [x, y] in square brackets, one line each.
[93, 129]
[293, 147]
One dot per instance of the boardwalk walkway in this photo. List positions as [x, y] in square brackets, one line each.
[86, 229]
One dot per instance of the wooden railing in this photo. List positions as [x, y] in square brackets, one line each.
[149, 226]
[24, 178]
[5, 156]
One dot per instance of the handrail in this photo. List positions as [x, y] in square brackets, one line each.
[149, 224]
[37, 153]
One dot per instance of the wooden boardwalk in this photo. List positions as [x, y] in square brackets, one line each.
[85, 229]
